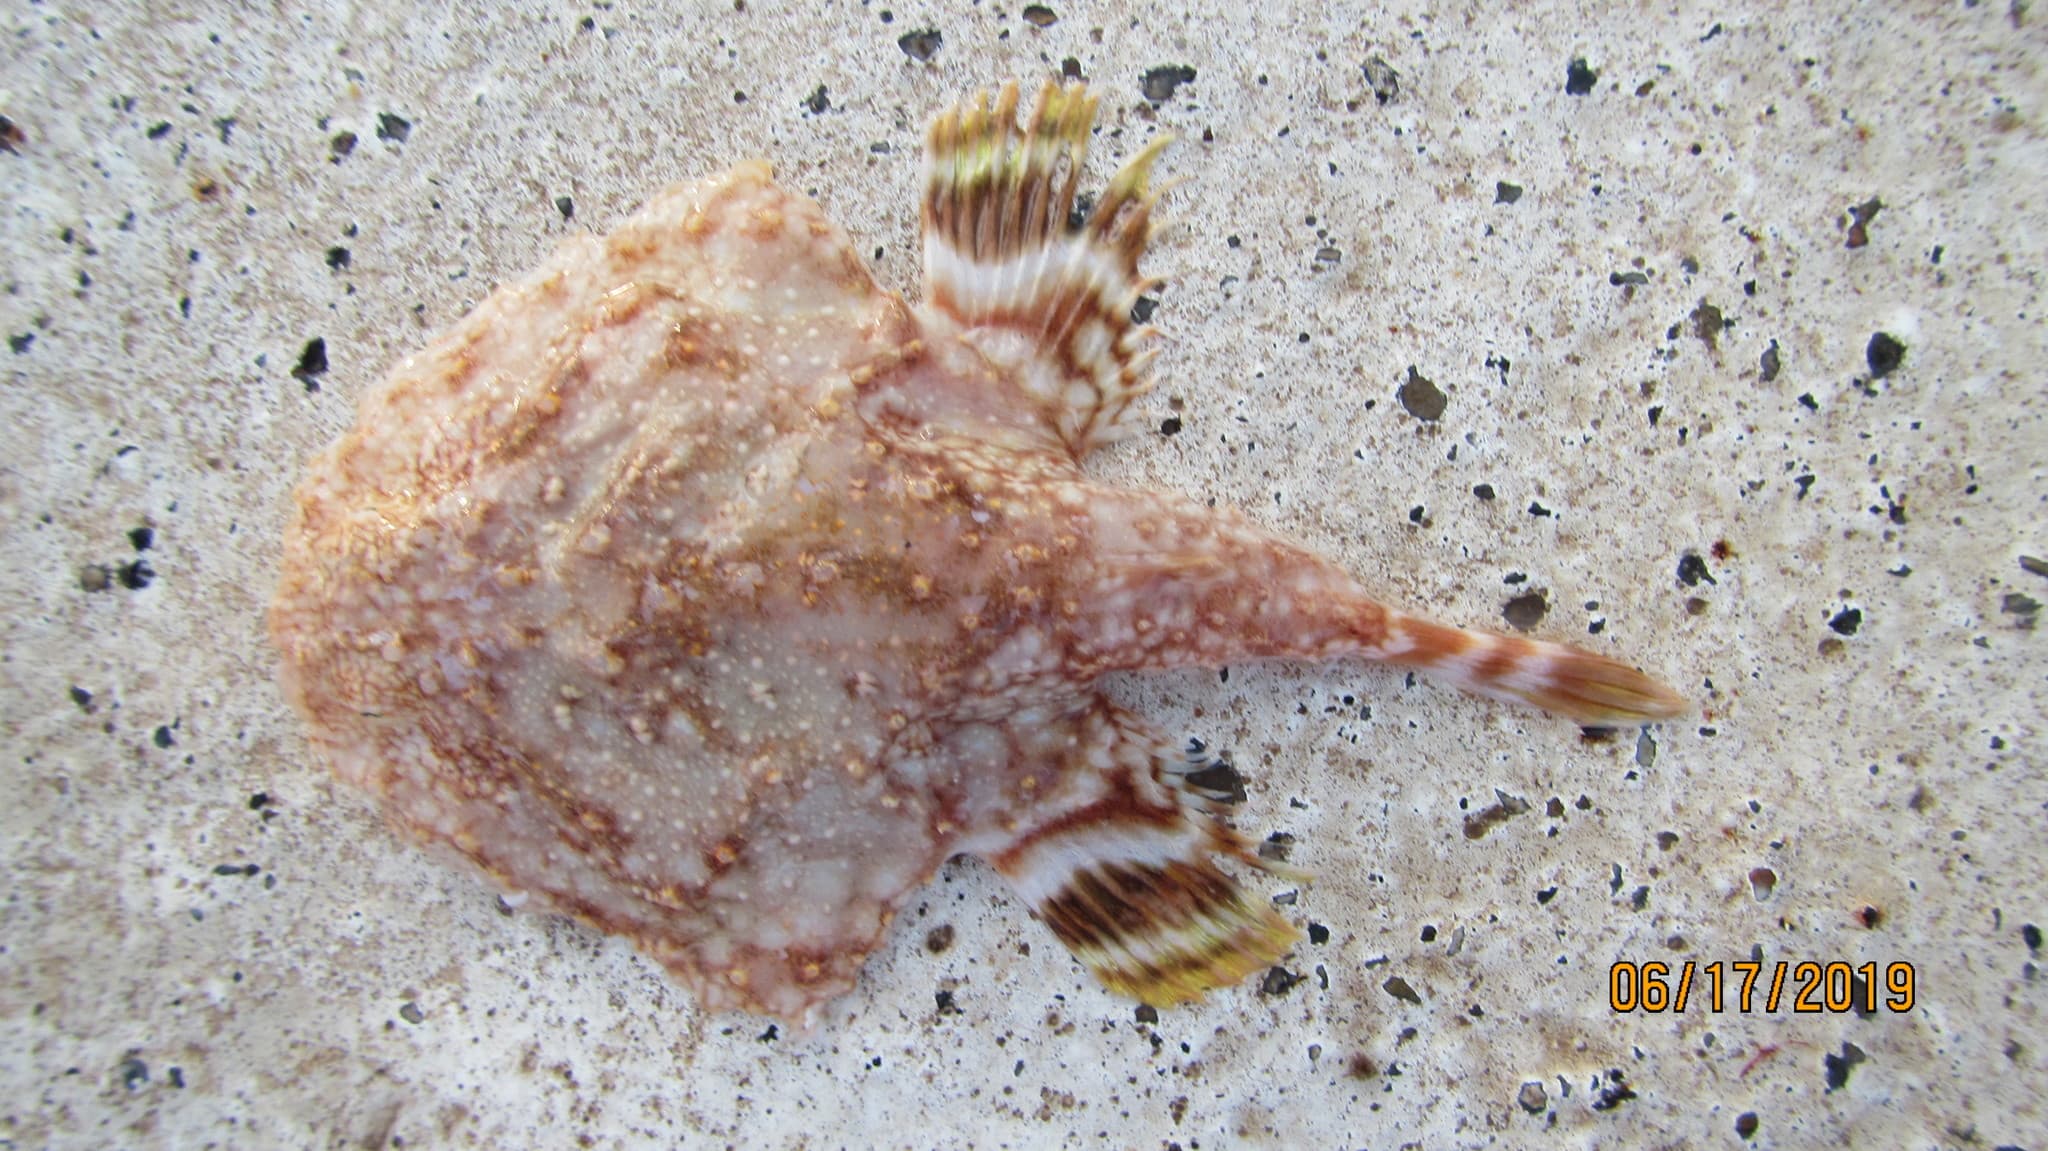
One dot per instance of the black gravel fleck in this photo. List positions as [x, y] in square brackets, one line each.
[142, 538]
[1579, 79]
[1277, 846]
[338, 258]
[1077, 216]
[1478, 823]
[1846, 621]
[943, 1001]
[1692, 569]
[159, 130]
[11, 136]
[20, 344]
[1506, 193]
[134, 1073]
[1159, 84]
[1837, 1067]
[1525, 611]
[1768, 362]
[1382, 79]
[1532, 1098]
[566, 206]
[82, 698]
[1141, 311]
[1628, 279]
[2024, 606]
[1483, 491]
[1319, 934]
[1613, 1095]
[818, 101]
[411, 1013]
[1860, 216]
[1170, 426]
[1039, 16]
[921, 45]
[342, 144]
[135, 576]
[393, 127]
[1399, 989]
[1884, 354]
[1421, 398]
[163, 737]
[2031, 936]
[312, 363]
[1746, 1124]
[1220, 779]
[1536, 509]
[1279, 981]
[1707, 325]
[1146, 1013]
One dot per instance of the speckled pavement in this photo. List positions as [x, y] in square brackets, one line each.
[1710, 335]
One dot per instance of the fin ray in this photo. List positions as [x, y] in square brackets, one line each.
[1001, 253]
[1126, 874]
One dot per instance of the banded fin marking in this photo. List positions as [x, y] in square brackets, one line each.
[1589, 689]
[1148, 912]
[1127, 876]
[1038, 295]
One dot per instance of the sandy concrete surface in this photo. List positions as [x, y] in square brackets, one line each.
[1735, 316]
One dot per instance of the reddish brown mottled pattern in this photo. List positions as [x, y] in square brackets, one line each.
[706, 590]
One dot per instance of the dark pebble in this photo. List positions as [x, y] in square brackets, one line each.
[1159, 84]
[1884, 354]
[1525, 611]
[312, 363]
[921, 45]
[1579, 79]
[1421, 398]
[1382, 79]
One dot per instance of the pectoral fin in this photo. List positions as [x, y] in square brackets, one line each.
[1125, 872]
[1040, 291]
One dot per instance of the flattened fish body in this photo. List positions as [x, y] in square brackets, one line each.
[706, 590]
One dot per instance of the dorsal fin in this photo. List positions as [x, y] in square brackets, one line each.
[1038, 290]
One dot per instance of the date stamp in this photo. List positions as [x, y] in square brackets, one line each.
[1749, 986]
